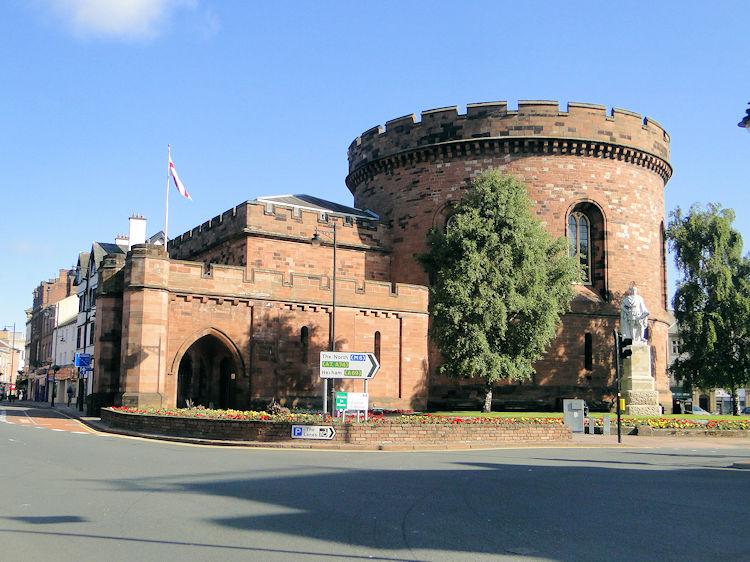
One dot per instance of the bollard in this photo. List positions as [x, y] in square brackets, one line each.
[592, 427]
[606, 428]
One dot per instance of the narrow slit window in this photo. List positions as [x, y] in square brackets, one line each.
[376, 346]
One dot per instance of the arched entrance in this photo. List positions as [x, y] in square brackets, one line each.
[207, 375]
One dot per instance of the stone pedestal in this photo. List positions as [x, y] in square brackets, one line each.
[637, 384]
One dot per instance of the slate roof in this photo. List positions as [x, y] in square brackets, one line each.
[101, 249]
[316, 204]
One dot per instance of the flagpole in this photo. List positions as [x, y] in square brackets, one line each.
[166, 206]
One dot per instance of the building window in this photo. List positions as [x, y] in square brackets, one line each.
[675, 347]
[588, 360]
[78, 338]
[579, 239]
[91, 333]
[376, 346]
[304, 340]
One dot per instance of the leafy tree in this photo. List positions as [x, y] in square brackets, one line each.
[712, 302]
[499, 284]
[745, 123]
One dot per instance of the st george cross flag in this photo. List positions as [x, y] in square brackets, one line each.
[177, 182]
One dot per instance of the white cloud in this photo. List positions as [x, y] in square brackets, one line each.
[116, 18]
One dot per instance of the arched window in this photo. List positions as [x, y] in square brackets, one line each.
[579, 238]
[376, 346]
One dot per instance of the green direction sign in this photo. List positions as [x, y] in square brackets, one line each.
[341, 400]
[352, 401]
[347, 365]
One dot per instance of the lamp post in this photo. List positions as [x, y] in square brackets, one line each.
[12, 349]
[317, 241]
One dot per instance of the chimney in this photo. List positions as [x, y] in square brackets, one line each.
[137, 231]
[122, 241]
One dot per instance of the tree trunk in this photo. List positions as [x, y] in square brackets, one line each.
[487, 407]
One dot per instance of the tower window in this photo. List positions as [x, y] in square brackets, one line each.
[304, 340]
[579, 239]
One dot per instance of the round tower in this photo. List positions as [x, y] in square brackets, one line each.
[594, 176]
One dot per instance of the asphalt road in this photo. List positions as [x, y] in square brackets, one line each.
[87, 496]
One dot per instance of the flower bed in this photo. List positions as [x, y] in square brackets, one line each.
[393, 428]
[381, 431]
[722, 424]
[400, 418]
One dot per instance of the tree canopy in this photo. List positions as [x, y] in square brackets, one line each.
[712, 301]
[499, 284]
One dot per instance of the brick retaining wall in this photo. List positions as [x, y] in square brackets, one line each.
[364, 434]
[644, 430]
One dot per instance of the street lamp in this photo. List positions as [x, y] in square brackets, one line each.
[316, 242]
[12, 349]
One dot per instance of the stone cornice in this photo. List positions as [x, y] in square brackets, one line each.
[511, 145]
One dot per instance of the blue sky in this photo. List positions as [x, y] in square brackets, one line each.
[265, 98]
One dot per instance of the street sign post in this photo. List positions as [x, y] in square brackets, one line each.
[83, 360]
[352, 401]
[325, 432]
[345, 365]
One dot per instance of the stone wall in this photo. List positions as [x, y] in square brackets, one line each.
[354, 434]
[271, 325]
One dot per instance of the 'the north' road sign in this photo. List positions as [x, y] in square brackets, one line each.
[346, 365]
[313, 432]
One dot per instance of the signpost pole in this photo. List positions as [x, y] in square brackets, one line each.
[325, 396]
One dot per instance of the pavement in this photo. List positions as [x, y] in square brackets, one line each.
[579, 439]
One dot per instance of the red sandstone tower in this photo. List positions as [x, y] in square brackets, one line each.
[594, 177]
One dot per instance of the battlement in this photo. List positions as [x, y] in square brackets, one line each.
[534, 119]
[275, 220]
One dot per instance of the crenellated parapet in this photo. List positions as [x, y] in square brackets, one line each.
[274, 221]
[536, 127]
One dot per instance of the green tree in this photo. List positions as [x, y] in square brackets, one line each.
[712, 301]
[499, 284]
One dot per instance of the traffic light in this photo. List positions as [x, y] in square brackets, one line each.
[623, 346]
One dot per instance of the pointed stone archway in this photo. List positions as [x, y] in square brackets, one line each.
[209, 372]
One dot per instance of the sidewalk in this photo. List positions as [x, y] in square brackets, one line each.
[579, 439]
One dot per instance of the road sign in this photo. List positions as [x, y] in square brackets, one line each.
[83, 360]
[345, 365]
[82, 370]
[341, 401]
[313, 432]
[352, 401]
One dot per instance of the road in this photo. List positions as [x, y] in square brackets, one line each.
[90, 496]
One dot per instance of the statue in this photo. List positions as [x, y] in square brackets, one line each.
[634, 317]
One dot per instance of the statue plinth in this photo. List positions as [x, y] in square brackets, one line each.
[637, 384]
